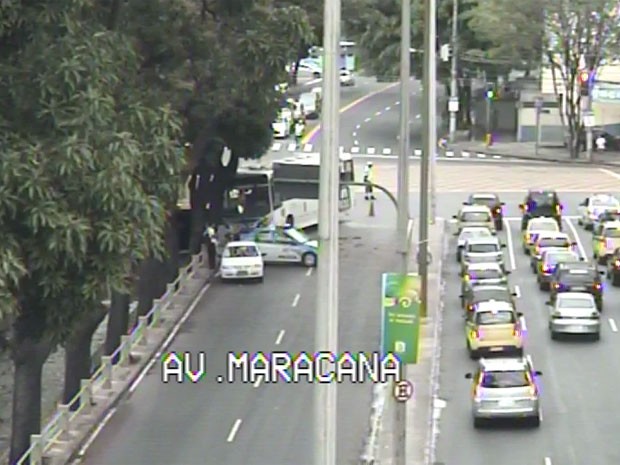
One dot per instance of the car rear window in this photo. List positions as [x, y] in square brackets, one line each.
[241, 251]
[543, 226]
[554, 259]
[501, 295]
[553, 243]
[504, 379]
[488, 200]
[542, 199]
[577, 276]
[483, 248]
[485, 274]
[612, 233]
[495, 318]
[604, 202]
[476, 216]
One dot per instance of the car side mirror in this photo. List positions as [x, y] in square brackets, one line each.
[582, 259]
[460, 296]
[468, 376]
[521, 207]
[519, 314]
[465, 203]
[503, 204]
[602, 273]
[538, 373]
[263, 254]
[574, 244]
[548, 302]
[507, 272]
[514, 294]
[454, 217]
[503, 246]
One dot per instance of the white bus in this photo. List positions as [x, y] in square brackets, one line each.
[285, 194]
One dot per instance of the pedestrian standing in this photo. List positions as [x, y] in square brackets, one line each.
[368, 179]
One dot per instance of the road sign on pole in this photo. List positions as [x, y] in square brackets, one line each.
[400, 313]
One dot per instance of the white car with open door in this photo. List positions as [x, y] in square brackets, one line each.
[285, 245]
[242, 260]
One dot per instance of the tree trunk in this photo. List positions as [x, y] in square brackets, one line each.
[172, 262]
[118, 322]
[29, 355]
[151, 284]
[78, 356]
[197, 226]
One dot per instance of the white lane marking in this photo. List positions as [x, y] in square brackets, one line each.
[313, 81]
[258, 381]
[234, 430]
[418, 116]
[354, 134]
[169, 339]
[353, 150]
[309, 272]
[357, 126]
[295, 300]
[280, 337]
[367, 119]
[613, 325]
[388, 108]
[396, 103]
[356, 142]
[377, 113]
[523, 325]
[548, 461]
[528, 357]
[540, 414]
[511, 250]
[517, 291]
[609, 173]
[582, 250]
[518, 218]
[96, 432]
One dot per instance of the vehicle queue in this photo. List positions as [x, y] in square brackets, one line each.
[504, 384]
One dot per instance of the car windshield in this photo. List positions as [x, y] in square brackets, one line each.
[476, 216]
[553, 242]
[576, 302]
[485, 294]
[238, 251]
[483, 248]
[543, 226]
[504, 379]
[297, 236]
[542, 198]
[485, 274]
[495, 318]
[604, 202]
[612, 233]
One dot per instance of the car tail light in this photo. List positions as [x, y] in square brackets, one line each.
[617, 263]
[595, 316]
[533, 390]
[516, 331]
[477, 334]
[546, 268]
[597, 286]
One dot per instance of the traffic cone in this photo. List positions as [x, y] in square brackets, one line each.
[371, 209]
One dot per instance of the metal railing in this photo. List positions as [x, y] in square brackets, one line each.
[58, 430]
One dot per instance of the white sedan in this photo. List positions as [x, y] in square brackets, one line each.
[242, 260]
[594, 206]
[346, 78]
[285, 245]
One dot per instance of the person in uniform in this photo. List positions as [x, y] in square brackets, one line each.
[300, 128]
[368, 178]
[601, 142]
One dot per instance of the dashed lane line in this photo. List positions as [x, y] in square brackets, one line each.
[309, 272]
[234, 430]
[511, 250]
[367, 120]
[547, 461]
[517, 290]
[523, 324]
[612, 325]
[296, 300]
[258, 381]
[280, 337]
[580, 247]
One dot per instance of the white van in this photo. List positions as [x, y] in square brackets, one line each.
[311, 105]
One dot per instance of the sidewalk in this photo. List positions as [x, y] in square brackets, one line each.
[527, 151]
[420, 433]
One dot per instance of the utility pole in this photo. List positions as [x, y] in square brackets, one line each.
[453, 105]
[430, 139]
[400, 408]
[326, 332]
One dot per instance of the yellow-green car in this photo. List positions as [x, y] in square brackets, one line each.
[534, 228]
[494, 328]
[475, 216]
[605, 240]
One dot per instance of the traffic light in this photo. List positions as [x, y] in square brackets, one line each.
[584, 83]
[490, 92]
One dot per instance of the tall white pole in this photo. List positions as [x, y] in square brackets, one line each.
[326, 333]
[432, 105]
[400, 408]
[454, 88]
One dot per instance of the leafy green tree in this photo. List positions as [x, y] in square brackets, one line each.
[75, 202]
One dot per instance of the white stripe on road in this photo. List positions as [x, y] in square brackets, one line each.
[609, 173]
[517, 291]
[367, 119]
[295, 300]
[523, 325]
[612, 325]
[309, 272]
[511, 250]
[234, 430]
[582, 250]
[548, 461]
[280, 337]
[257, 382]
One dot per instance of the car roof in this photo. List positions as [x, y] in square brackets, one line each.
[475, 208]
[484, 266]
[483, 240]
[572, 295]
[493, 305]
[611, 225]
[483, 195]
[541, 219]
[577, 265]
[603, 196]
[541, 191]
[552, 235]
[242, 244]
[503, 364]
[501, 287]
[559, 251]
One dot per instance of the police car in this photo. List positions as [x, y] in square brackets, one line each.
[284, 245]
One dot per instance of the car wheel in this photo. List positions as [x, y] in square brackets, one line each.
[260, 279]
[458, 257]
[473, 354]
[499, 225]
[526, 251]
[290, 221]
[309, 260]
[542, 285]
[535, 421]
[596, 337]
[588, 227]
[478, 422]
[579, 221]
[615, 280]
[553, 335]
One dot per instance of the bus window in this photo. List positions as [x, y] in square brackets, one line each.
[345, 198]
[346, 171]
[247, 198]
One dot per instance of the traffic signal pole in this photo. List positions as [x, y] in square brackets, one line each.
[454, 88]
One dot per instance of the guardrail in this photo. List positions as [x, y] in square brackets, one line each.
[58, 430]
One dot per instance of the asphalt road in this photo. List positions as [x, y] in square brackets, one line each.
[579, 382]
[268, 424]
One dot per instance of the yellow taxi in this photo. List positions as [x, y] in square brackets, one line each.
[534, 228]
[605, 240]
[474, 216]
[494, 327]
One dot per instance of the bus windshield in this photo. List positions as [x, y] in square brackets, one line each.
[248, 197]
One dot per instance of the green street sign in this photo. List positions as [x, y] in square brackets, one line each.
[400, 316]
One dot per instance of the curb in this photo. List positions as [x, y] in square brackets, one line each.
[558, 161]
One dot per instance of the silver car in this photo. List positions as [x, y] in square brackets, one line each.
[505, 388]
[574, 313]
[482, 250]
[468, 233]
